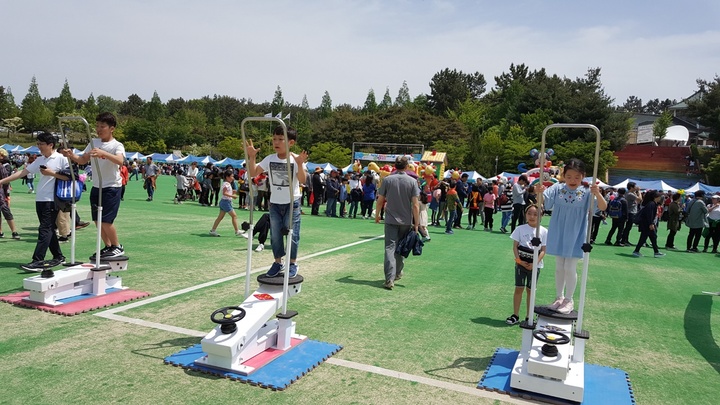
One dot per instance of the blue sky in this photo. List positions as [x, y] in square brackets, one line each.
[245, 49]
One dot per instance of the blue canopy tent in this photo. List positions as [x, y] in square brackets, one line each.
[326, 167]
[474, 176]
[236, 163]
[11, 148]
[32, 150]
[134, 155]
[161, 157]
[195, 159]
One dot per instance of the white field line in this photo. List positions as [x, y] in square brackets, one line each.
[112, 314]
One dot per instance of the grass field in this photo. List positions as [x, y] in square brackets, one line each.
[440, 325]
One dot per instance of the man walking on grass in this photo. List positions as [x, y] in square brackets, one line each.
[399, 192]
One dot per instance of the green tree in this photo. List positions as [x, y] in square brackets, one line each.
[278, 102]
[712, 170]
[133, 107]
[33, 111]
[325, 110]
[231, 147]
[661, 125]
[490, 149]
[403, 97]
[386, 101]
[131, 146]
[65, 104]
[707, 107]
[370, 106]
[12, 124]
[108, 104]
[332, 152]
[8, 108]
[90, 110]
[457, 152]
[154, 110]
[633, 105]
[585, 151]
[449, 88]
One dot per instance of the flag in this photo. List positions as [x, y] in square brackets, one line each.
[279, 115]
[268, 115]
[287, 117]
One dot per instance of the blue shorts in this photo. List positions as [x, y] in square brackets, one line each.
[523, 277]
[226, 205]
[110, 203]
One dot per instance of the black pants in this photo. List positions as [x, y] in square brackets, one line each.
[366, 207]
[472, 217]
[670, 242]
[713, 235]
[317, 200]
[693, 238]
[204, 196]
[216, 195]
[628, 228]
[619, 225]
[262, 228]
[458, 215]
[644, 236]
[595, 227]
[518, 216]
[47, 214]
[489, 211]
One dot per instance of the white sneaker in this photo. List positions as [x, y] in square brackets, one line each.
[214, 233]
[556, 304]
[240, 233]
[566, 307]
[243, 234]
[260, 248]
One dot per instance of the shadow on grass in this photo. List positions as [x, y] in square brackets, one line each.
[371, 283]
[698, 330]
[475, 364]
[495, 323]
[181, 343]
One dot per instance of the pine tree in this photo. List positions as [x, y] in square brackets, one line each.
[403, 97]
[33, 112]
[65, 104]
[386, 101]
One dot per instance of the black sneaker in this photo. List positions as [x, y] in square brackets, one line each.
[63, 239]
[102, 252]
[55, 261]
[15, 235]
[39, 265]
[2, 235]
[114, 251]
[512, 320]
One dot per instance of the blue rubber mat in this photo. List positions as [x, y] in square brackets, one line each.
[603, 385]
[276, 375]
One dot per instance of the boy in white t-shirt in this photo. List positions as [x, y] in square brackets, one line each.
[522, 238]
[49, 164]
[109, 155]
[280, 184]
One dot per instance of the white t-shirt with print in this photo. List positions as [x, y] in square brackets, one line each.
[226, 188]
[45, 188]
[279, 180]
[109, 171]
[524, 234]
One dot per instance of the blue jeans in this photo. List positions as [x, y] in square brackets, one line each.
[451, 220]
[506, 215]
[331, 210]
[279, 215]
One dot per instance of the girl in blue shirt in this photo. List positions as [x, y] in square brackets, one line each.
[570, 202]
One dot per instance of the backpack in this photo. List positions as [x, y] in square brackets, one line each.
[615, 208]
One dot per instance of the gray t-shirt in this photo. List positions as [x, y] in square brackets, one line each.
[398, 190]
[632, 202]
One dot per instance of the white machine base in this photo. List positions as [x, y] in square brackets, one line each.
[72, 282]
[571, 388]
[561, 376]
[255, 333]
